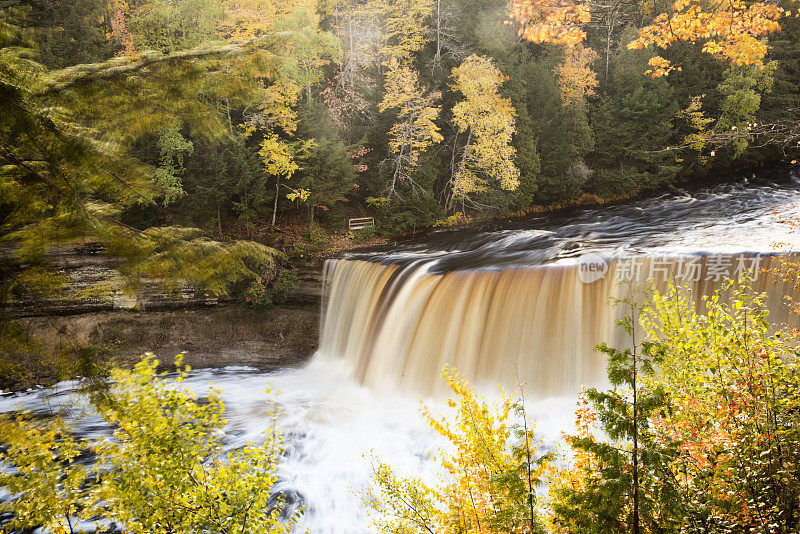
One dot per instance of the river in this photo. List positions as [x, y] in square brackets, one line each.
[517, 301]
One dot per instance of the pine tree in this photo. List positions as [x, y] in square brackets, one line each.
[619, 486]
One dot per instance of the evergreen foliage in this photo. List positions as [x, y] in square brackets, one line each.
[301, 85]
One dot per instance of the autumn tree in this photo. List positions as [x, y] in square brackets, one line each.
[731, 380]
[348, 96]
[164, 471]
[732, 31]
[576, 78]
[701, 437]
[551, 21]
[71, 169]
[492, 469]
[487, 157]
[247, 19]
[275, 123]
[415, 128]
[617, 484]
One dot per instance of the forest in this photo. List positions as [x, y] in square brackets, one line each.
[240, 116]
[217, 144]
[186, 135]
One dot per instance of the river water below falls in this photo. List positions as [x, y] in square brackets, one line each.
[491, 302]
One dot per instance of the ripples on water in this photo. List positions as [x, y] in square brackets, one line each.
[329, 421]
[732, 217]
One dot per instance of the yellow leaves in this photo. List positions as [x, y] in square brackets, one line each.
[278, 156]
[488, 120]
[660, 67]
[247, 19]
[480, 435]
[276, 109]
[276, 115]
[278, 105]
[415, 129]
[732, 31]
[299, 194]
[167, 470]
[46, 489]
[551, 21]
[485, 489]
[404, 31]
[576, 79]
[163, 472]
[696, 120]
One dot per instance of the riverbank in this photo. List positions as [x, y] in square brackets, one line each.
[215, 337]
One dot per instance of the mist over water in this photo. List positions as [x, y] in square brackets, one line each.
[330, 424]
[499, 303]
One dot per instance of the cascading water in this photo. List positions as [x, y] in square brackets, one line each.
[513, 305]
[491, 302]
[399, 326]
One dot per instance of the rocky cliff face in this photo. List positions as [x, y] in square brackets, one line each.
[96, 285]
[221, 336]
[100, 320]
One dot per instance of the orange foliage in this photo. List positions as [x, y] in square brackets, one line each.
[731, 30]
[118, 10]
[582, 463]
[551, 21]
[787, 270]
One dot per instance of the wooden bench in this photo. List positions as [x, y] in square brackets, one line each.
[360, 223]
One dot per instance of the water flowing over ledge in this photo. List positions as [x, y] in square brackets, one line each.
[516, 299]
[399, 325]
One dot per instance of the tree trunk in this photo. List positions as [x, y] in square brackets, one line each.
[219, 219]
[451, 203]
[275, 206]
[635, 431]
[438, 57]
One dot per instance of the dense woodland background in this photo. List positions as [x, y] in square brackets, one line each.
[352, 108]
[207, 142]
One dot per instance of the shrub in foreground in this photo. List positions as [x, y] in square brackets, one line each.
[162, 471]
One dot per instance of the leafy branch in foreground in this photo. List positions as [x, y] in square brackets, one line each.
[67, 165]
[491, 469]
[164, 471]
[716, 424]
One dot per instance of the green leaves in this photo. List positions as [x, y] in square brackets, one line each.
[491, 466]
[714, 424]
[163, 471]
[172, 148]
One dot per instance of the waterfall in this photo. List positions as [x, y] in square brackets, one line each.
[397, 326]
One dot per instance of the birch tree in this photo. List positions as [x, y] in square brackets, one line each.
[487, 119]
